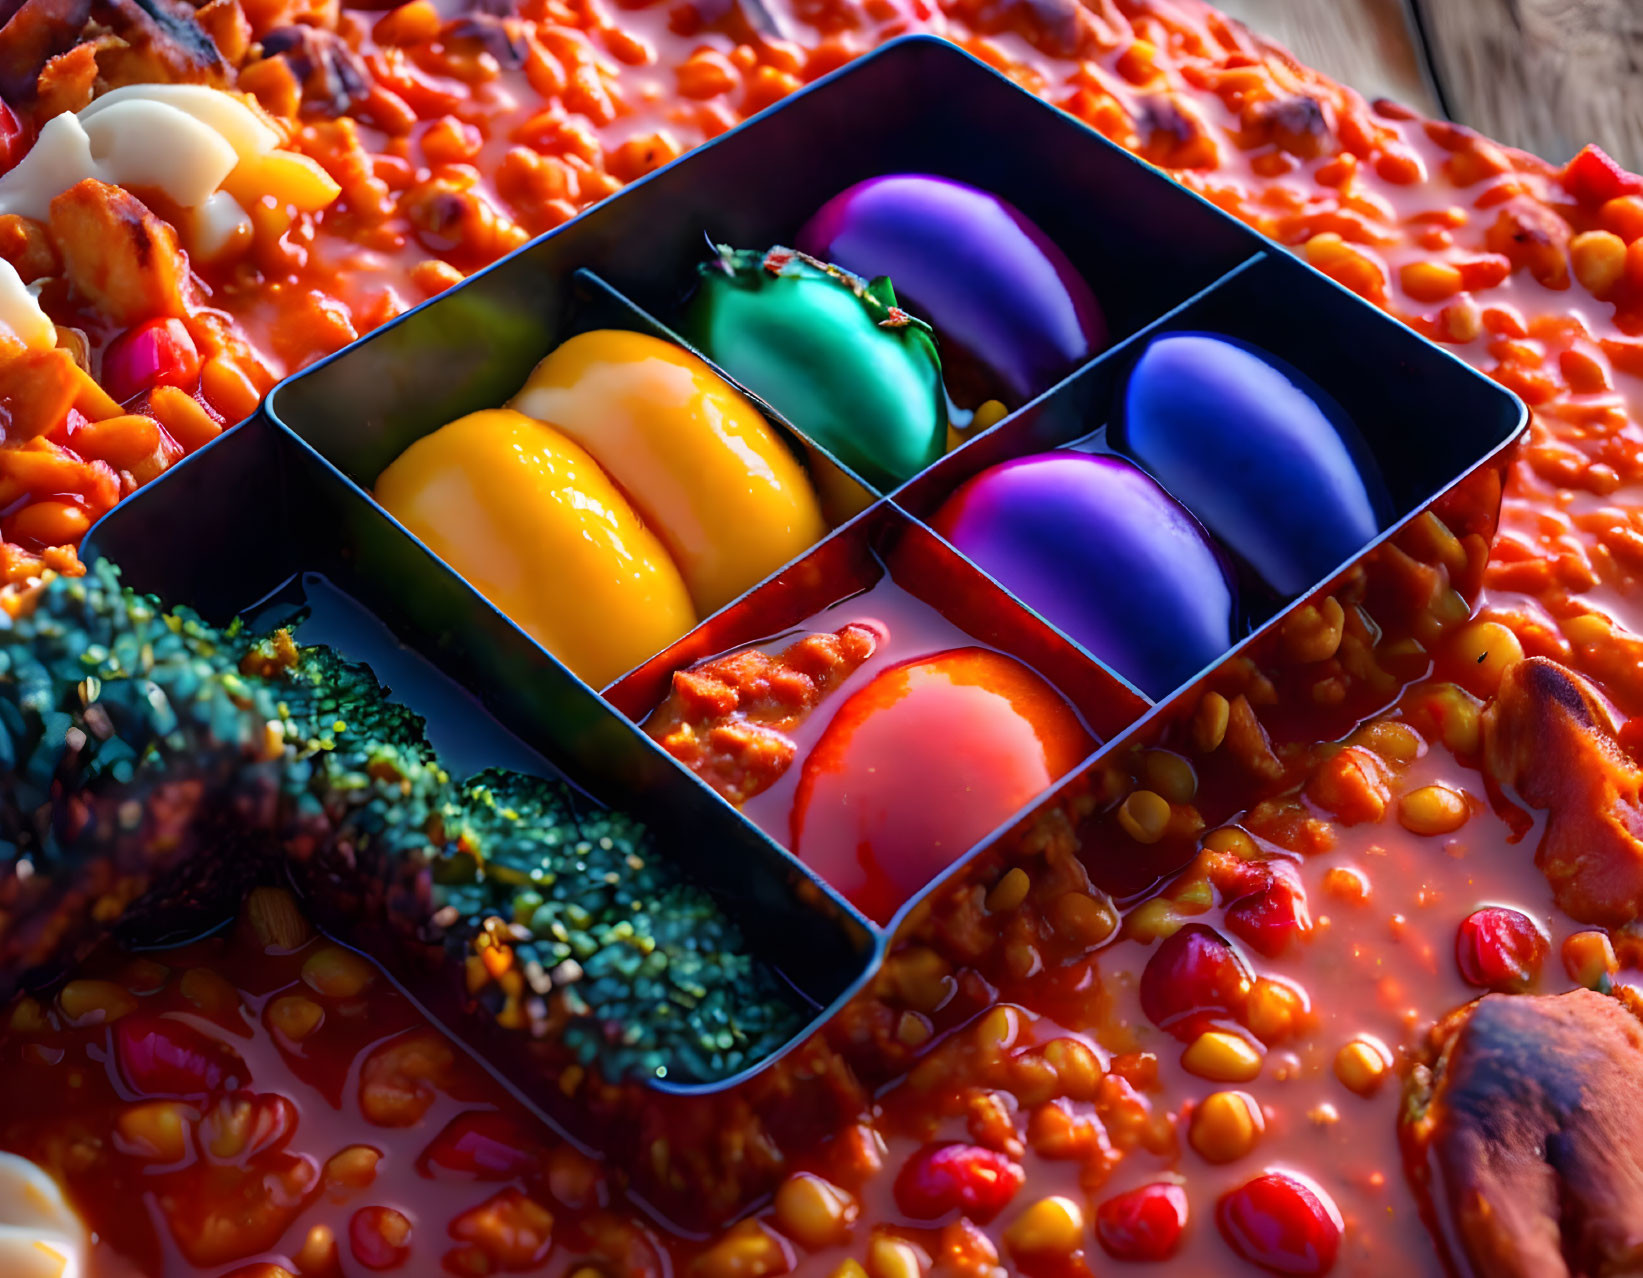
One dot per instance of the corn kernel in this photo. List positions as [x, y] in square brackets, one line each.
[209, 991]
[849, 1269]
[1221, 1057]
[1144, 816]
[1395, 742]
[1233, 841]
[1170, 775]
[319, 1252]
[1209, 721]
[1153, 920]
[1347, 883]
[1009, 892]
[1050, 1227]
[352, 1168]
[1225, 1126]
[28, 1017]
[1082, 918]
[1430, 281]
[1486, 650]
[295, 1017]
[1589, 958]
[89, 1002]
[156, 1131]
[889, 1257]
[333, 972]
[1432, 810]
[1273, 1010]
[1077, 1071]
[1599, 259]
[1363, 1064]
[813, 1212]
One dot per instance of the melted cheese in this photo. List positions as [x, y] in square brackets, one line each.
[149, 144]
[40, 1235]
[20, 312]
[237, 123]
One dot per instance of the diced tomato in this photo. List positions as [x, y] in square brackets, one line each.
[1144, 1224]
[1594, 178]
[1282, 1223]
[483, 1146]
[14, 143]
[157, 352]
[955, 1177]
[1500, 949]
[1193, 979]
[1270, 920]
[160, 1056]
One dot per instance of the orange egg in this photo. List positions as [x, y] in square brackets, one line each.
[921, 763]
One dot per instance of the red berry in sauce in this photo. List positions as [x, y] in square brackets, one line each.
[1193, 979]
[1144, 1224]
[379, 1237]
[923, 762]
[14, 143]
[160, 1056]
[1593, 178]
[157, 352]
[1281, 1223]
[939, 1179]
[1271, 920]
[1500, 949]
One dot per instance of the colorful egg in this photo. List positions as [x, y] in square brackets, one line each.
[529, 518]
[1260, 453]
[919, 765]
[1101, 551]
[1001, 296]
[709, 475]
[832, 353]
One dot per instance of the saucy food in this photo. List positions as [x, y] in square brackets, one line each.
[1004, 1066]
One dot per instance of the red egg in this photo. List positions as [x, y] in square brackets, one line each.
[921, 763]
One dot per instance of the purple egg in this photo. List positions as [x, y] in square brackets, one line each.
[1097, 548]
[1000, 295]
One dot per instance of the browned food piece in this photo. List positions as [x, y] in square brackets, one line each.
[728, 719]
[34, 33]
[165, 42]
[25, 244]
[117, 254]
[334, 78]
[1550, 737]
[1523, 1136]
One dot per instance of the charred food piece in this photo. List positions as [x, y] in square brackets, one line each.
[1523, 1135]
[1549, 736]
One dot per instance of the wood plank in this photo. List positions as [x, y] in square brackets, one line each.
[1544, 75]
[1367, 44]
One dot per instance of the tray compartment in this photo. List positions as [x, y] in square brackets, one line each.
[1429, 423]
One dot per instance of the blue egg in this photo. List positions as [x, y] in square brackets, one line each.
[1260, 453]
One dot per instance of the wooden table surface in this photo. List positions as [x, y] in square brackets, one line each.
[1544, 75]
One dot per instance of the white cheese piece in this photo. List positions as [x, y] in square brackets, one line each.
[217, 227]
[237, 122]
[20, 312]
[60, 157]
[138, 143]
[40, 1235]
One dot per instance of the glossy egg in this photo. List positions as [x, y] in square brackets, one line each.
[537, 527]
[1260, 453]
[1101, 551]
[920, 764]
[709, 475]
[997, 290]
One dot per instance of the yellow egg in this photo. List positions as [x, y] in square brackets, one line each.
[704, 468]
[530, 519]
